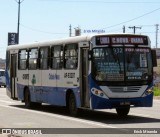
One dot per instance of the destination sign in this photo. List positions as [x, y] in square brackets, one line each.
[105, 40]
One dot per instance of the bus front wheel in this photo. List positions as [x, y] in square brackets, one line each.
[73, 110]
[123, 111]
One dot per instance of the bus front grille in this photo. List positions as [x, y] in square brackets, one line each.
[125, 89]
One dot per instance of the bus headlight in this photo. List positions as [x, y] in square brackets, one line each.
[97, 92]
[149, 91]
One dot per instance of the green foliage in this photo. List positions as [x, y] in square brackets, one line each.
[156, 91]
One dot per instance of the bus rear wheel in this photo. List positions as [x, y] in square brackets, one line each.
[73, 110]
[123, 111]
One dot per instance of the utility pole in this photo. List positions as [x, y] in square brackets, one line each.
[157, 35]
[70, 30]
[19, 6]
[124, 29]
[134, 28]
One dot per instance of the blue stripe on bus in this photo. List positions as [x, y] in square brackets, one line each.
[50, 95]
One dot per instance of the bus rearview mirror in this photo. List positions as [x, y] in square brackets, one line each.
[154, 58]
[90, 55]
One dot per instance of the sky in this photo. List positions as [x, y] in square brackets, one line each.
[42, 20]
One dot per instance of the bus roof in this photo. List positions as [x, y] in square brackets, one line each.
[67, 40]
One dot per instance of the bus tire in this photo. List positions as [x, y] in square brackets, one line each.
[123, 111]
[27, 99]
[73, 110]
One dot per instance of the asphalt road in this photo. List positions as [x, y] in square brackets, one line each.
[13, 114]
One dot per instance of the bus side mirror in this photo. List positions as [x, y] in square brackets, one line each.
[154, 58]
[90, 55]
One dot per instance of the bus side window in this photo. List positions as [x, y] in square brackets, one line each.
[44, 56]
[71, 56]
[33, 59]
[57, 57]
[22, 59]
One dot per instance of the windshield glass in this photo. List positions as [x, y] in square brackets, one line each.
[108, 64]
[121, 64]
[138, 64]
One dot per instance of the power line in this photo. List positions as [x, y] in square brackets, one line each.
[41, 31]
[57, 33]
[132, 19]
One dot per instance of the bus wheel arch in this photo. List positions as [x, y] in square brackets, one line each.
[71, 103]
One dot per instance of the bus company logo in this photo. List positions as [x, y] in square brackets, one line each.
[33, 79]
[125, 89]
[6, 131]
[54, 77]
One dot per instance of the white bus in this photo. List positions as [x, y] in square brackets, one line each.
[103, 71]
[2, 78]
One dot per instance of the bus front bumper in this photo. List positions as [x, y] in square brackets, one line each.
[102, 103]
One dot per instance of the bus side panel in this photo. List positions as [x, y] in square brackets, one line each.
[58, 97]
[50, 93]
[69, 80]
[50, 90]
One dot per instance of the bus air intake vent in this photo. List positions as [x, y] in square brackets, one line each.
[125, 89]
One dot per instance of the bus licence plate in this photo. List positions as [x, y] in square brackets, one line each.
[125, 103]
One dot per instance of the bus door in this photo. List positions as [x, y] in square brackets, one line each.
[13, 74]
[84, 65]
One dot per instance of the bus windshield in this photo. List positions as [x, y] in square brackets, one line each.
[123, 64]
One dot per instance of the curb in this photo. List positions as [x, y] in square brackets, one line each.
[156, 97]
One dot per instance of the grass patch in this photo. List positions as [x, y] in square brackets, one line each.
[156, 91]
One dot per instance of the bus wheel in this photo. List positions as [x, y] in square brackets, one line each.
[73, 110]
[123, 111]
[27, 100]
